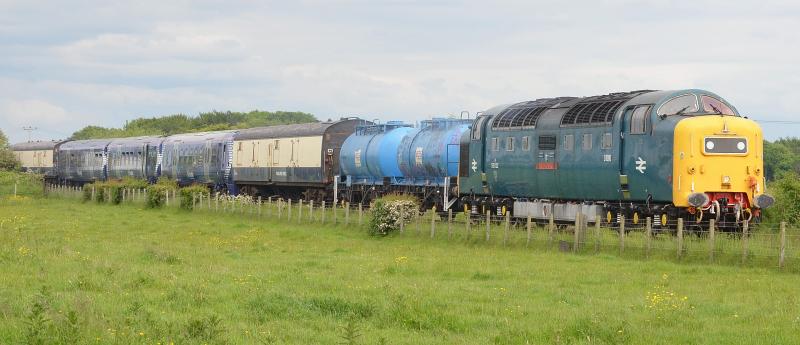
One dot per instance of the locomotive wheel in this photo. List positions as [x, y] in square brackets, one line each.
[664, 220]
[609, 217]
[635, 217]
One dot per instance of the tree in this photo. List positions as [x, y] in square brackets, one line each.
[7, 159]
[778, 159]
[209, 121]
[786, 190]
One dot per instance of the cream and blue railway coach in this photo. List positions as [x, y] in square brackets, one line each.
[294, 161]
[36, 156]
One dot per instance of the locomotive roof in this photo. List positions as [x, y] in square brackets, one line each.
[199, 136]
[293, 130]
[35, 145]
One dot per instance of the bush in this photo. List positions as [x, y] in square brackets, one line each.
[786, 191]
[156, 195]
[191, 194]
[390, 211]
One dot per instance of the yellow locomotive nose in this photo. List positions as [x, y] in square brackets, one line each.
[718, 162]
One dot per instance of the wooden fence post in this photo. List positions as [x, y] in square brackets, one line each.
[335, 218]
[468, 226]
[280, 208]
[711, 240]
[597, 238]
[488, 224]
[289, 210]
[322, 209]
[505, 229]
[577, 232]
[449, 223]
[259, 206]
[622, 235]
[745, 240]
[300, 211]
[648, 236]
[417, 216]
[360, 214]
[680, 237]
[402, 225]
[551, 228]
[782, 254]
[311, 210]
[528, 225]
[433, 222]
[347, 213]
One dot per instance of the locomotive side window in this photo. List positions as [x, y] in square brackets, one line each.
[682, 104]
[607, 141]
[569, 142]
[547, 142]
[495, 144]
[712, 105]
[510, 144]
[587, 141]
[639, 119]
[526, 143]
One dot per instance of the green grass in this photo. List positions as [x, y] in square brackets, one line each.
[88, 273]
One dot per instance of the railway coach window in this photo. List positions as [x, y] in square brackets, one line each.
[569, 142]
[510, 144]
[495, 144]
[607, 141]
[526, 143]
[587, 141]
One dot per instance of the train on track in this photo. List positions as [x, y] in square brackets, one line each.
[660, 154]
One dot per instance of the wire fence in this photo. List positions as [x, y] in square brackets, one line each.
[767, 246]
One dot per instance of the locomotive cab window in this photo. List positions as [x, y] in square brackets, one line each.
[510, 144]
[640, 120]
[476, 128]
[712, 105]
[680, 105]
[526, 143]
[495, 144]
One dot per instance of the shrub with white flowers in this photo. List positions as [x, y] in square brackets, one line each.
[390, 211]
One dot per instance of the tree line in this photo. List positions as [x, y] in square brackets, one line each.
[180, 123]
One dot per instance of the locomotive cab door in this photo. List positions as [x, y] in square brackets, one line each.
[635, 129]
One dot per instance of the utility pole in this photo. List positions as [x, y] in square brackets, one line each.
[29, 129]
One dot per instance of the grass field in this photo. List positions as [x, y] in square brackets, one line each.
[83, 273]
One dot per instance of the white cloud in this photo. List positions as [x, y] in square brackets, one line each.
[105, 62]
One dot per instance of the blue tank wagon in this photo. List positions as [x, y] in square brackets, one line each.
[395, 158]
[371, 156]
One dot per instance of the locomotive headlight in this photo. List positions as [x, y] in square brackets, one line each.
[710, 145]
[741, 146]
[698, 199]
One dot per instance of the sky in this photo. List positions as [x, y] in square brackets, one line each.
[65, 65]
